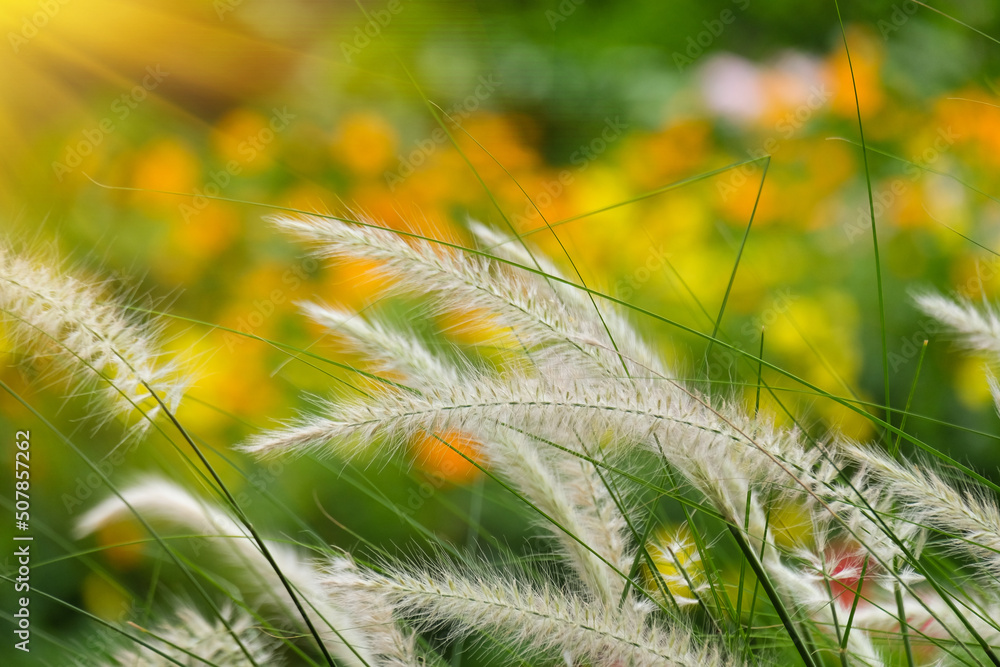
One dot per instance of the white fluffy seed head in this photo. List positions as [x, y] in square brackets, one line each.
[189, 636]
[556, 331]
[164, 504]
[87, 339]
[383, 639]
[590, 380]
[977, 328]
[536, 616]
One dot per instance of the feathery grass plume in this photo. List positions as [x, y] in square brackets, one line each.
[971, 514]
[162, 502]
[564, 334]
[465, 283]
[88, 337]
[400, 353]
[386, 642]
[588, 525]
[713, 454]
[933, 623]
[583, 519]
[619, 332]
[538, 617]
[978, 329]
[551, 406]
[574, 387]
[969, 517]
[191, 639]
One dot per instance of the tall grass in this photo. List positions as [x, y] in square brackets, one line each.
[828, 549]
[783, 546]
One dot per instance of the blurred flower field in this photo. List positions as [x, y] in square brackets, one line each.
[145, 142]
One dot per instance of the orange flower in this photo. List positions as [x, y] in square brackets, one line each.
[167, 164]
[365, 143]
[240, 138]
[653, 160]
[866, 61]
[441, 454]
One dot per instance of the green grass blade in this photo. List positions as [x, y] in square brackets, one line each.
[871, 207]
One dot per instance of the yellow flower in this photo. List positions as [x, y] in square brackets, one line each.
[970, 382]
[104, 599]
[678, 565]
[365, 143]
[790, 524]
